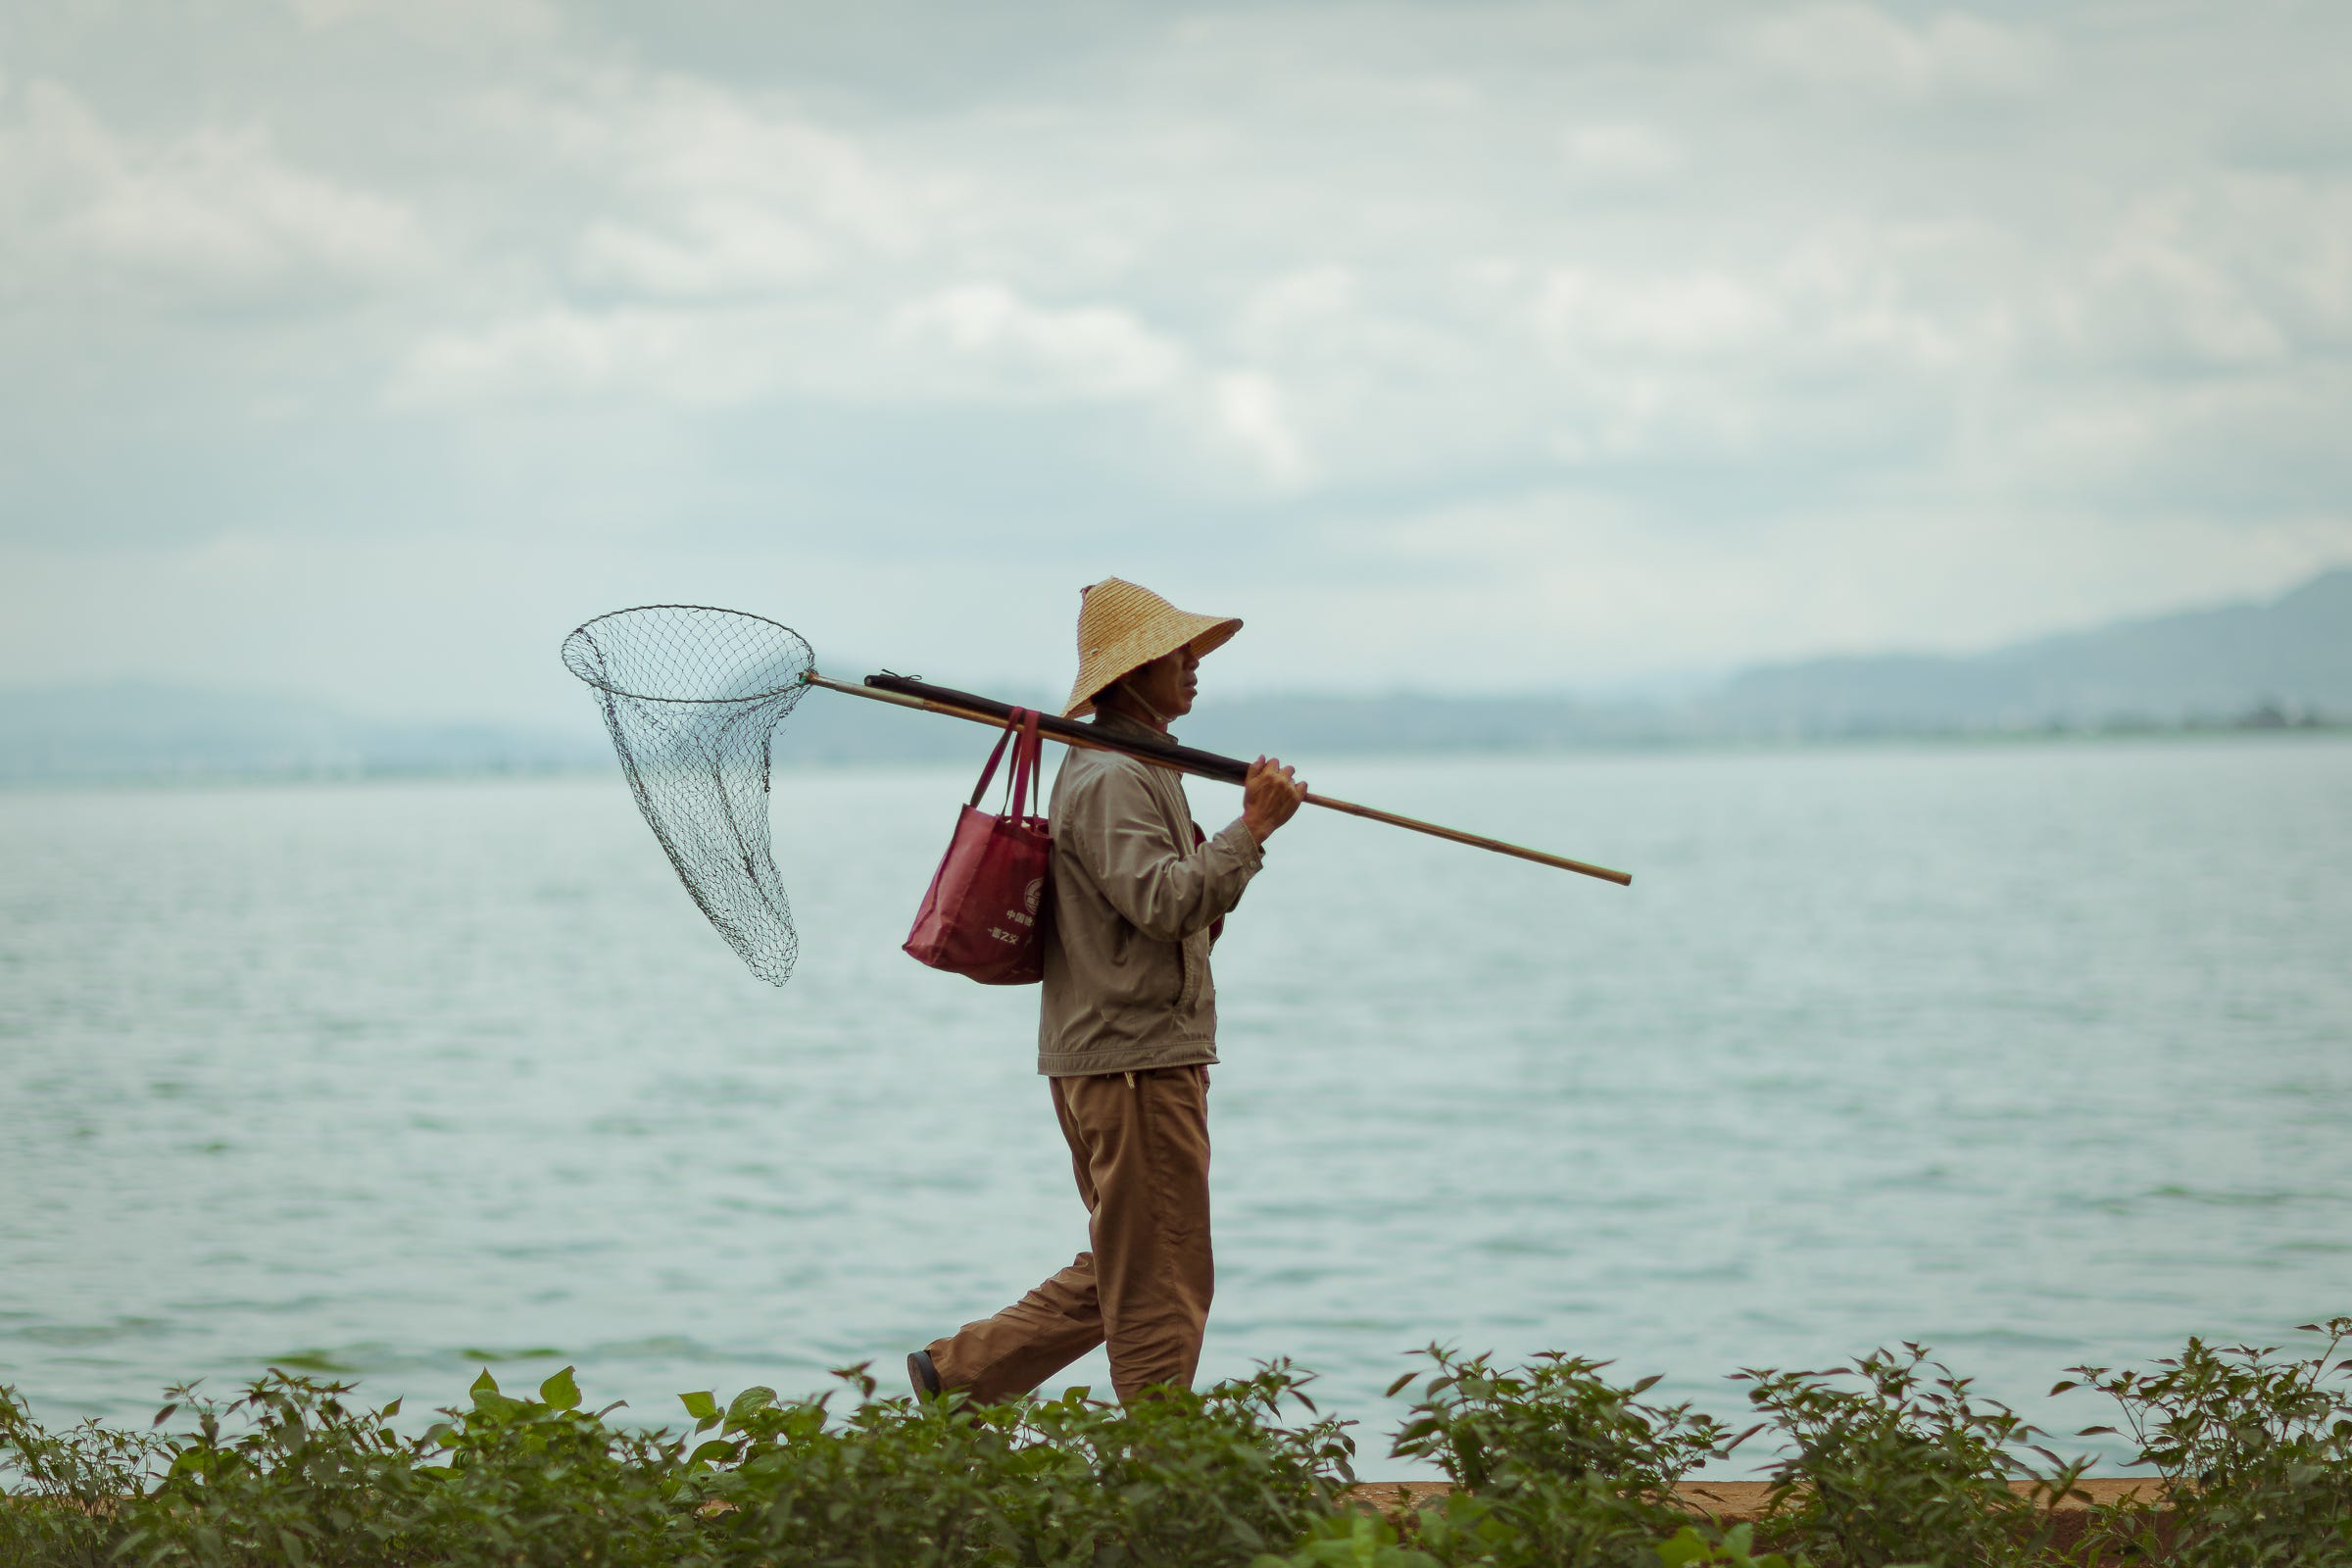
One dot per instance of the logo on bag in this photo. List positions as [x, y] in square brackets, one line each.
[1029, 896]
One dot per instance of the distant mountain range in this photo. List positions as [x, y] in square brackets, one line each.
[2266, 665]
[2286, 661]
[2290, 658]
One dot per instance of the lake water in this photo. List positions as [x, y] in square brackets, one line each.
[2037, 1054]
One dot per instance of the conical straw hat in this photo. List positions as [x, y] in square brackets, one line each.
[1123, 627]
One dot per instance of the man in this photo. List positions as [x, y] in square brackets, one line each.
[1128, 1026]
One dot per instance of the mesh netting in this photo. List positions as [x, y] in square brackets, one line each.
[691, 695]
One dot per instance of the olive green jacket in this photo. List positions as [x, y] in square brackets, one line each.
[1127, 984]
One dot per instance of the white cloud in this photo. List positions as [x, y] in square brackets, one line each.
[982, 339]
[2163, 295]
[1618, 151]
[2238, 277]
[443, 21]
[208, 213]
[723, 250]
[1858, 46]
[1692, 313]
[1295, 301]
[703, 190]
[1249, 409]
[634, 354]
[1631, 295]
[977, 342]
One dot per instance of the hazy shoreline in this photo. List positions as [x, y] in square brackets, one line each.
[2238, 732]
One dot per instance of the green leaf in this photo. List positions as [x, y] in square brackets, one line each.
[1687, 1547]
[701, 1405]
[486, 1397]
[746, 1404]
[561, 1391]
[712, 1452]
[389, 1410]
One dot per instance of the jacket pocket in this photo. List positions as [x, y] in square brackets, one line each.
[1192, 971]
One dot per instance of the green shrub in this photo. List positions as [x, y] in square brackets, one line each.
[67, 1488]
[898, 1482]
[1179, 1479]
[542, 1481]
[293, 1472]
[1555, 1419]
[1694, 1547]
[1892, 1461]
[1187, 1478]
[1355, 1538]
[2255, 1450]
[1567, 1467]
[306, 1478]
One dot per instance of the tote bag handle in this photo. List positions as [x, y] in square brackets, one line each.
[1026, 771]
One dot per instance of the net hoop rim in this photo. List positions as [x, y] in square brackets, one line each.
[706, 702]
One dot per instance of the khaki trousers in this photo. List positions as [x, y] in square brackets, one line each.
[1139, 1145]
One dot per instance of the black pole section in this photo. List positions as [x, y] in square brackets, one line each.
[1232, 769]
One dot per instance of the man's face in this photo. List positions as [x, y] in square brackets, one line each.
[1168, 683]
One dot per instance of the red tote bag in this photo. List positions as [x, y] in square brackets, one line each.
[986, 911]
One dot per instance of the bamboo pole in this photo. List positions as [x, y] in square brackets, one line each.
[905, 693]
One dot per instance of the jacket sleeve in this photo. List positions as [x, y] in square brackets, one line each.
[1166, 890]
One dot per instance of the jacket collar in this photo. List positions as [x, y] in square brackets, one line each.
[1110, 723]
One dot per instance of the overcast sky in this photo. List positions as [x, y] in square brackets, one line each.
[364, 348]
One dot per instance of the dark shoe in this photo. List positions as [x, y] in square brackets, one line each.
[923, 1374]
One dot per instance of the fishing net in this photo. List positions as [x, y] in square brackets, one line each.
[691, 695]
